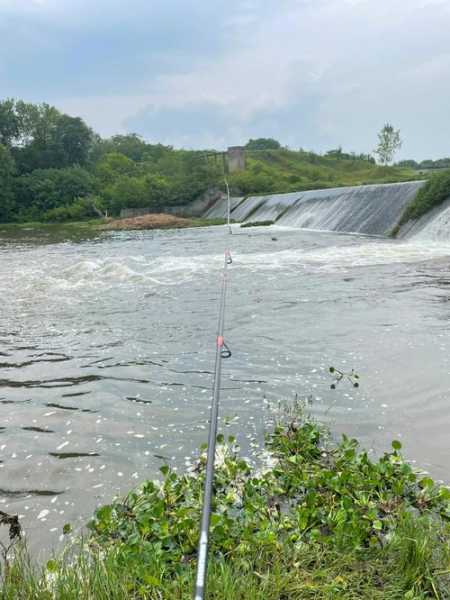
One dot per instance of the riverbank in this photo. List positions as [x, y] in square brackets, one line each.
[319, 520]
[152, 221]
[158, 221]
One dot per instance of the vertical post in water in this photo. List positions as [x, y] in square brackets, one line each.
[202, 555]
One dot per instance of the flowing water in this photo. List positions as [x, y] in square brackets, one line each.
[368, 209]
[107, 351]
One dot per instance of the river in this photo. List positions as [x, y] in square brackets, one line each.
[107, 350]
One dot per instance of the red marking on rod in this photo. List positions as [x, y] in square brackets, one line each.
[220, 341]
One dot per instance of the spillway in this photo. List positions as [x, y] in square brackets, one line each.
[367, 209]
[219, 210]
[434, 226]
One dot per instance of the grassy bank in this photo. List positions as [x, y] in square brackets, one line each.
[319, 521]
[286, 170]
[434, 193]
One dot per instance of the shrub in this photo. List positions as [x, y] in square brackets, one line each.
[432, 194]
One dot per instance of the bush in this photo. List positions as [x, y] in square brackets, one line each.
[82, 208]
[432, 194]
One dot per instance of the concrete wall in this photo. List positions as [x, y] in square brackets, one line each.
[195, 209]
[236, 158]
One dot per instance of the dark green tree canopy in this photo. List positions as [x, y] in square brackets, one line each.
[40, 137]
[7, 172]
[45, 189]
[263, 144]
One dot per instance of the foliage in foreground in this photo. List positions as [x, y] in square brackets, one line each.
[319, 521]
[435, 191]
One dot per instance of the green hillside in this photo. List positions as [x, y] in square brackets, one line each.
[283, 170]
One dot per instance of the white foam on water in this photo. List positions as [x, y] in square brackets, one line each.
[332, 258]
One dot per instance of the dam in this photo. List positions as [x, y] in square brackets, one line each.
[368, 209]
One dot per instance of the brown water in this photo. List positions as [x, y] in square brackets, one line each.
[107, 351]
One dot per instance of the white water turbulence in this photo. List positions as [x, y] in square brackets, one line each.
[368, 209]
[434, 226]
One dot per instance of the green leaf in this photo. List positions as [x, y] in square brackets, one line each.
[220, 438]
[67, 529]
[104, 513]
[426, 482]
[151, 580]
[378, 525]
[215, 519]
[444, 493]
[396, 445]
[52, 566]
[164, 469]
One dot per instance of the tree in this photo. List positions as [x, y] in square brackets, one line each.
[7, 169]
[389, 142]
[40, 137]
[45, 189]
[263, 144]
[71, 141]
[112, 167]
[9, 123]
[408, 164]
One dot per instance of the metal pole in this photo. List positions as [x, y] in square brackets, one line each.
[202, 554]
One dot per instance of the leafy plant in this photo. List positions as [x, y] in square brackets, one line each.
[314, 520]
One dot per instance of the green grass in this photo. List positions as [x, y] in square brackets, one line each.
[435, 191]
[288, 171]
[320, 521]
[258, 224]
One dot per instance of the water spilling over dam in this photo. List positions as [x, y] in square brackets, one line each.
[369, 209]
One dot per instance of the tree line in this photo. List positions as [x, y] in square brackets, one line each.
[54, 167]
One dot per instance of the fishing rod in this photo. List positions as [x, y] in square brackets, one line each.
[222, 352]
[228, 204]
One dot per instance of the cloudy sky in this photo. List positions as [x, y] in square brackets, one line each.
[210, 73]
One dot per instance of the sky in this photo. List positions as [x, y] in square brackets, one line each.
[314, 74]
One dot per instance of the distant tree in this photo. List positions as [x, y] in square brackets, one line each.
[7, 170]
[112, 167]
[335, 152]
[442, 163]
[40, 137]
[426, 164]
[408, 164]
[263, 144]
[389, 142]
[9, 122]
[71, 141]
[131, 145]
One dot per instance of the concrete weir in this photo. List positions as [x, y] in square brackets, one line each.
[367, 209]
